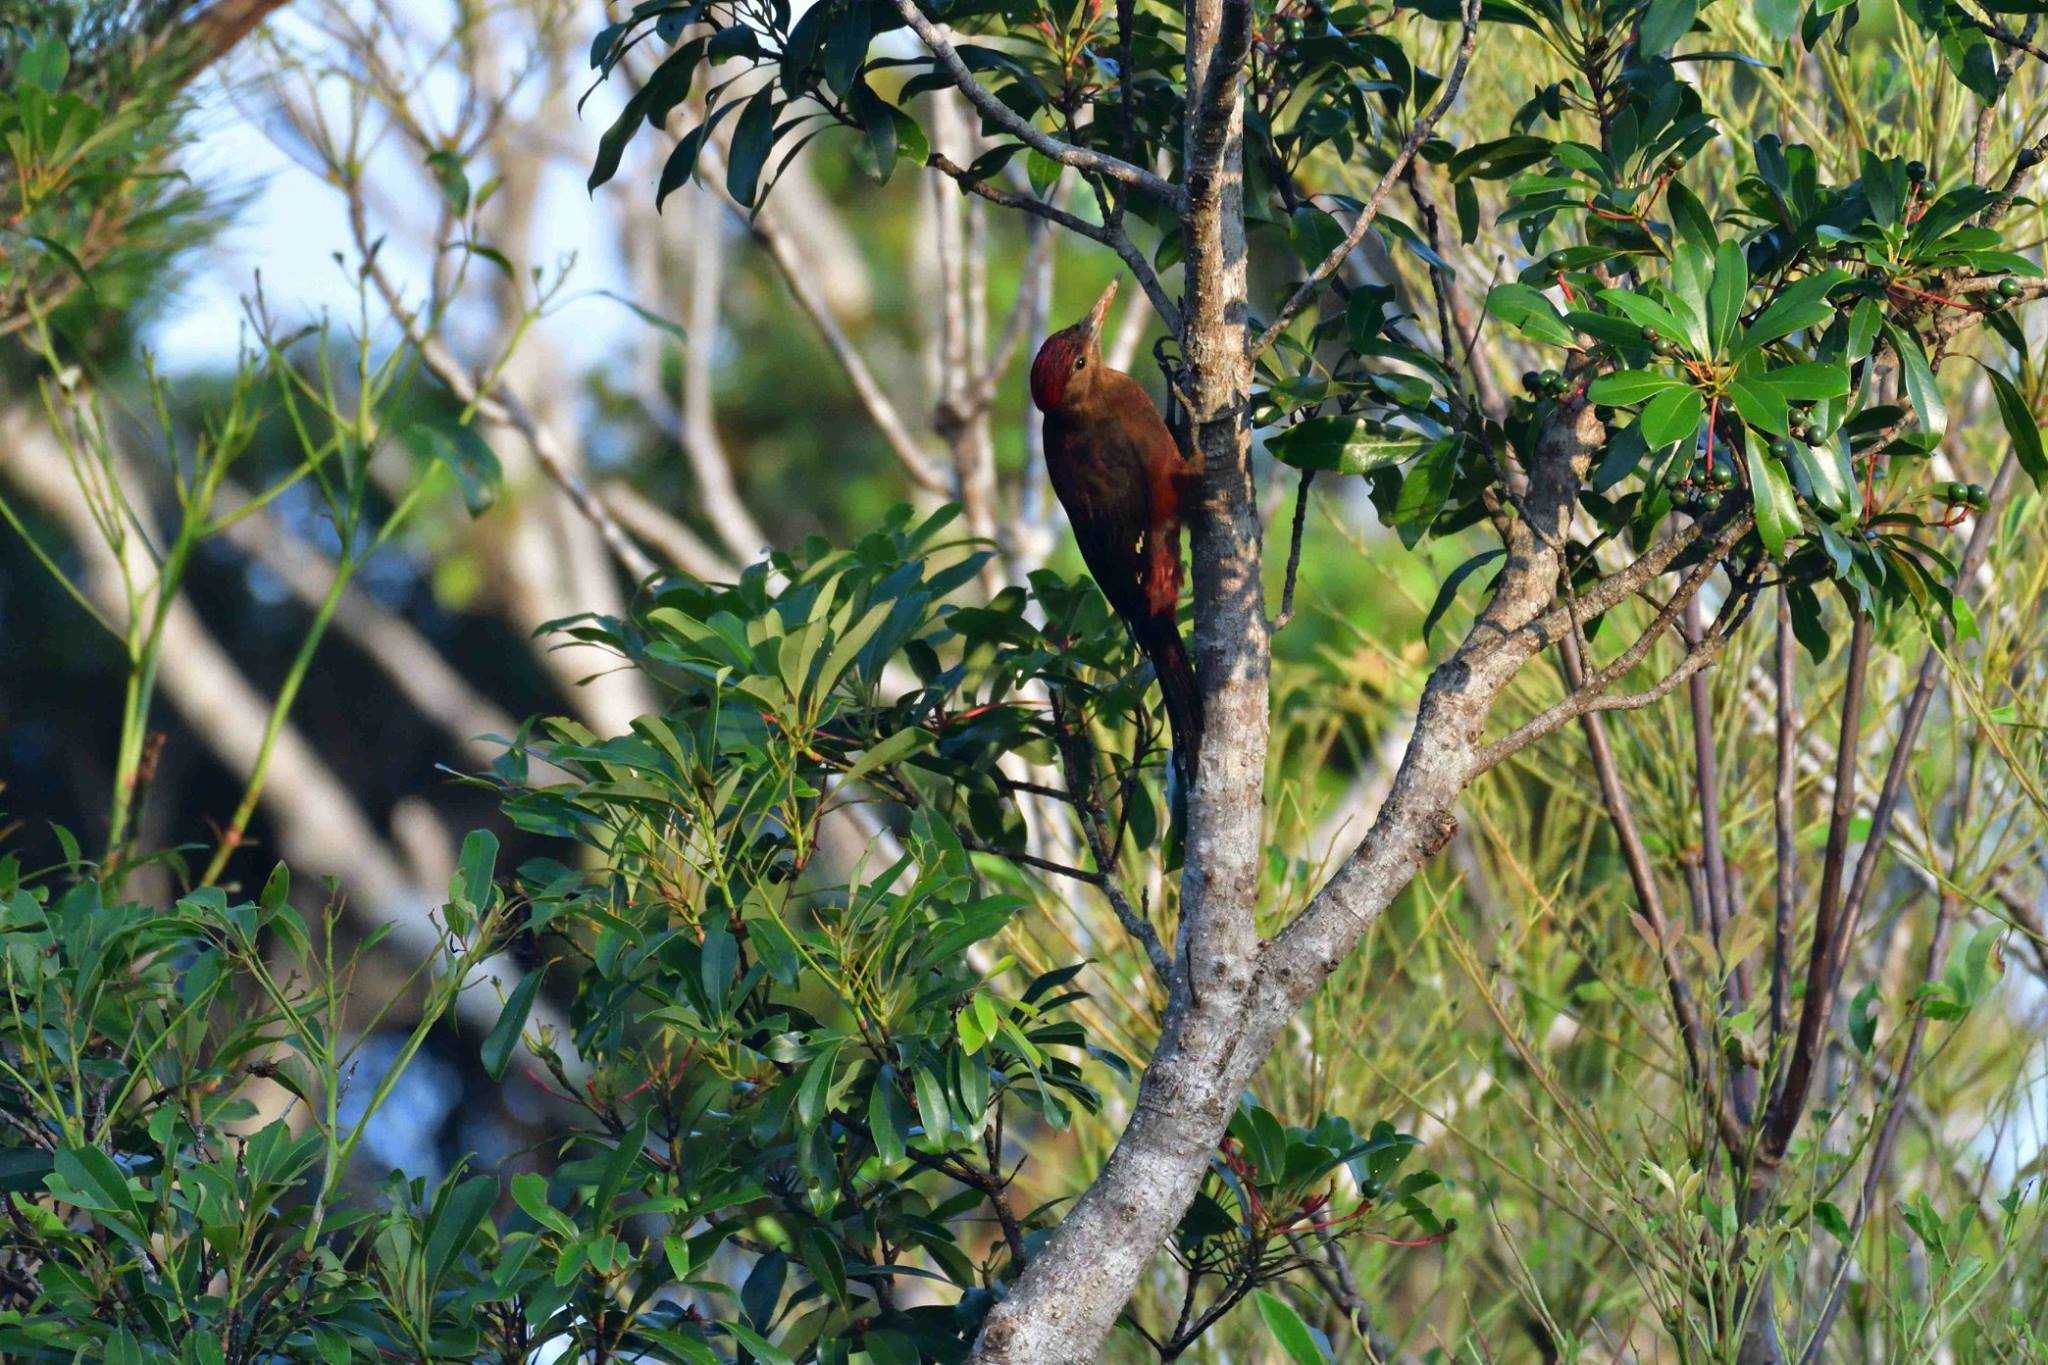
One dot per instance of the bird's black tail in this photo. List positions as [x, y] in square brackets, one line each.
[1159, 637]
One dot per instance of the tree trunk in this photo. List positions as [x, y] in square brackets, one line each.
[1071, 1294]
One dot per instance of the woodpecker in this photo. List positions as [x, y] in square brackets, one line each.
[1120, 476]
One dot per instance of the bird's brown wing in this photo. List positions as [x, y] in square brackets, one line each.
[1101, 482]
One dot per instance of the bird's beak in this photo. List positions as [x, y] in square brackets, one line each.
[1100, 311]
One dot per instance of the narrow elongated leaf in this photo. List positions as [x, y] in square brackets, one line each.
[2021, 426]
[753, 137]
[456, 1219]
[682, 162]
[1631, 386]
[504, 1035]
[1808, 383]
[822, 1259]
[1724, 298]
[1449, 591]
[468, 456]
[1664, 23]
[1777, 507]
[1289, 1330]
[1801, 306]
[479, 862]
[1921, 388]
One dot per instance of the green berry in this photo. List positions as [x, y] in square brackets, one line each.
[1553, 382]
[1711, 501]
[2010, 289]
[1977, 495]
[1783, 448]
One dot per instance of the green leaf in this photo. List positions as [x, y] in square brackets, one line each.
[453, 180]
[1449, 591]
[504, 1035]
[95, 1182]
[1631, 386]
[1862, 1021]
[1921, 388]
[1423, 491]
[753, 137]
[1762, 406]
[1346, 445]
[1777, 507]
[892, 748]
[1724, 298]
[682, 162]
[2021, 427]
[883, 1123]
[1289, 1330]
[1664, 23]
[822, 1259]
[457, 1218]
[44, 65]
[467, 455]
[1825, 469]
[1645, 311]
[530, 1193]
[1671, 416]
[1524, 308]
[479, 862]
[1800, 306]
[763, 1289]
[1863, 325]
[1830, 1217]
[1810, 382]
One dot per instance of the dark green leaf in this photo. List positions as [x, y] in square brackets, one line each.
[504, 1035]
[1449, 591]
[1777, 507]
[2021, 426]
[753, 137]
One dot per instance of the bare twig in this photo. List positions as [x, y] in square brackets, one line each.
[1294, 551]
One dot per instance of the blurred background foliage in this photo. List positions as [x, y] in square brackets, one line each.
[618, 390]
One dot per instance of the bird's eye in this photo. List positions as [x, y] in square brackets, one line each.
[1081, 362]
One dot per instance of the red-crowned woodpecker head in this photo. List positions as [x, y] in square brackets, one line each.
[1067, 362]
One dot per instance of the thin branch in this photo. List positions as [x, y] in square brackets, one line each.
[1786, 826]
[1593, 696]
[1699, 1053]
[1082, 159]
[655, 527]
[1116, 240]
[1078, 760]
[1887, 1134]
[499, 405]
[1294, 551]
[803, 287]
[1790, 1099]
[1333, 262]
